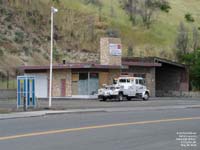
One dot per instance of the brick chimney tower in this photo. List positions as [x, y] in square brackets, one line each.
[110, 51]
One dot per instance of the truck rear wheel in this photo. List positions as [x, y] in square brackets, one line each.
[120, 96]
[104, 99]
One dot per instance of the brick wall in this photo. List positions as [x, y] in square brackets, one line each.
[171, 78]
[113, 74]
[150, 76]
[177, 94]
[105, 57]
[69, 83]
[58, 75]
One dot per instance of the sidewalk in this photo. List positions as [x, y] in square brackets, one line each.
[8, 108]
[120, 109]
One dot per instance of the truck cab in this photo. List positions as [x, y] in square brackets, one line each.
[128, 87]
[133, 87]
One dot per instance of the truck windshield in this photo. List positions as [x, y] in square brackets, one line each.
[122, 80]
[114, 81]
[142, 82]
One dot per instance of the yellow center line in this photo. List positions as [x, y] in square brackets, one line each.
[94, 127]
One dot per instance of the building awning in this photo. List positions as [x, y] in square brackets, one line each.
[149, 62]
[71, 66]
[141, 64]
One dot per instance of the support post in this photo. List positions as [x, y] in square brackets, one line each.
[51, 57]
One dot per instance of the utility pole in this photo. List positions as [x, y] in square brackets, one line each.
[53, 10]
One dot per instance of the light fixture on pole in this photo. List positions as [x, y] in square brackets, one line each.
[53, 10]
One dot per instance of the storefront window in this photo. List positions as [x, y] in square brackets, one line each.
[88, 83]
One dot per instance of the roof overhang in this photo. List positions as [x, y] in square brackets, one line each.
[141, 64]
[150, 61]
[161, 60]
[71, 66]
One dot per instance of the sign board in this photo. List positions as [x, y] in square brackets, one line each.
[115, 49]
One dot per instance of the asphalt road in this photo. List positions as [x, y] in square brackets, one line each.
[10, 105]
[141, 130]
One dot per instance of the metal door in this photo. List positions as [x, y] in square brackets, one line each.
[83, 84]
[93, 83]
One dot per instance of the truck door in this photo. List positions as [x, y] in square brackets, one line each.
[139, 85]
[132, 88]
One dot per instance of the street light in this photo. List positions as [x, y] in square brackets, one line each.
[53, 10]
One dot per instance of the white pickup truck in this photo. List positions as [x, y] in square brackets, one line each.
[125, 87]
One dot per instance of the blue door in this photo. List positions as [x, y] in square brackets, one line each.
[83, 84]
[88, 83]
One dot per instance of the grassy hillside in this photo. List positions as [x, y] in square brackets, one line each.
[25, 30]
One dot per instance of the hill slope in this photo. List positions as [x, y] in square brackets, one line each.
[25, 30]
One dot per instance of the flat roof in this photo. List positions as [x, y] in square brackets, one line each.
[126, 62]
[72, 66]
[156, 61]
[141, 64]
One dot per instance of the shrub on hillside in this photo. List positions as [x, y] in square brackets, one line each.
[1, 52]
[189, 17]
[130, 51]
[19, 37]
[193, 61]
[27, 51]
[112, 33]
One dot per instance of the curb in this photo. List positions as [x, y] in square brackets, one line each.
[73, 111]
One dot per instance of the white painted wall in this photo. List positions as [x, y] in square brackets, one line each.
[41, 84]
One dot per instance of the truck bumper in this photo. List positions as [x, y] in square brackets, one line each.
[107, 96]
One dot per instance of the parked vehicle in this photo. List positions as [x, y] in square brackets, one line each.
[125, 87]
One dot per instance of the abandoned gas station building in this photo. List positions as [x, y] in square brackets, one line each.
[82, 80]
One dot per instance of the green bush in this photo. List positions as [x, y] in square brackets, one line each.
[9, 26]
[36, 50]
[130, 51]
[189, 17]
[1, 52]
[27, 51]
[56, 54]
[112, 33]
[19, 37]
[46, 56]
[3, 37]
[193, 61]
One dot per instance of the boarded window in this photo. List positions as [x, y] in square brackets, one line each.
[103, 78]
[75, 77]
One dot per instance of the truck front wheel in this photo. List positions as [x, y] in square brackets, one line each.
[146, 96]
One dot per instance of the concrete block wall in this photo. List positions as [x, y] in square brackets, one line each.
[69, 83]
[150, 80]
[105, 57]
[113, 74]
[169, 78]
[178, 94]
[8, 94]
[56, 84]
[150, 77]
